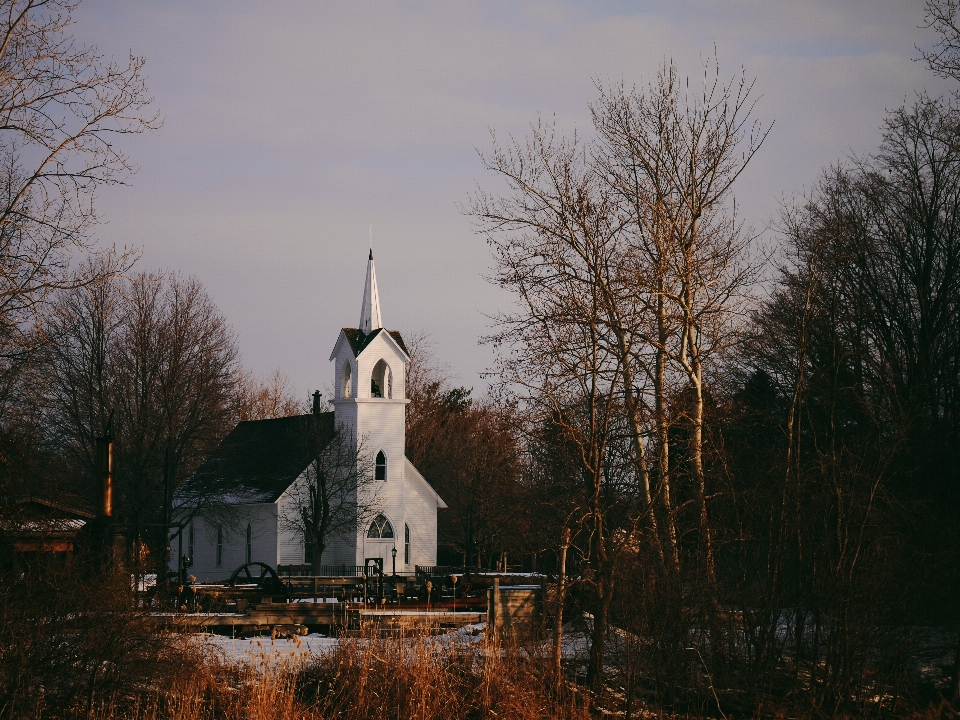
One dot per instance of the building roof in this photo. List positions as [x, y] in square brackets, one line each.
[258, 460]
[32, 515]
[359, 340]
[65, 506]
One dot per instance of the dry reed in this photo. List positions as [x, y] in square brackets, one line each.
[420, 677]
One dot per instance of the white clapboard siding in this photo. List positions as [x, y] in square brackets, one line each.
[422, 503]
[290, 536]
[275, 540]
[261, 518]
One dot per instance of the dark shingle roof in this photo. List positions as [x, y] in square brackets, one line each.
[64, 505]
[259, 459]
[359, 340]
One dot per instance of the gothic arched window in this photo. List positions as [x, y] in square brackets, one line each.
[406, 543]
[380, 529]
[380, 473]
[381, 380]
[345, 390]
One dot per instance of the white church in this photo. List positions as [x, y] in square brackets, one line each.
[261, 468]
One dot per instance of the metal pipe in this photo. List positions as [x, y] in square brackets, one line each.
[105, 470]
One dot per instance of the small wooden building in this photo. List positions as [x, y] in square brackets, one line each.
[35, 527]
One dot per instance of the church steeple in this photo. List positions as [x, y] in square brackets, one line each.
[370, 312]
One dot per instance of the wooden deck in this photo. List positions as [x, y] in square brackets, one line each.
[325, 617]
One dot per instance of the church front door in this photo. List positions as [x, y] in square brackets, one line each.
[381, 551]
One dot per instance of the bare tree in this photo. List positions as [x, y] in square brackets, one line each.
[944, 59]
[154, 353]
[264, 399]
[554, 240]
[62, 107]
[673, 157]
[338, 491]
[80, 366]
[629, 267]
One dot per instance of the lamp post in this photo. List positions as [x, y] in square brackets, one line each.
[394, 553]
[454, 578]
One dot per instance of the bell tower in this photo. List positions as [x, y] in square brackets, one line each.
[370, 368]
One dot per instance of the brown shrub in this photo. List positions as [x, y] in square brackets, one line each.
[72, 643]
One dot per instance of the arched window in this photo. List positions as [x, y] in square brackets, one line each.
[380, 473]
[249, 543]
[406, 543]
[345, 388]
[380, 529]
[381, 380]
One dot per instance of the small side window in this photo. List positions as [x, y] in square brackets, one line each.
[381, 469]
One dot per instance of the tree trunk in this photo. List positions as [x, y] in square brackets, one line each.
[663, 432]
[601, 617]
[639, 450]
[700, 485]
[318, 548]
[692, 365]
[558, 612]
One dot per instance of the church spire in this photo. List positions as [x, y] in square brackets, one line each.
[370, 312]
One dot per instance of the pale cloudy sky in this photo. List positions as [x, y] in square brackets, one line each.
[291, 127]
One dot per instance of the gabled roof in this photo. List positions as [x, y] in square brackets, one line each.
[35, 515]
[60, 508]
[259, 460]
[359, 340]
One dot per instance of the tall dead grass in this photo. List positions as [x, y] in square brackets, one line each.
[405, 677]
[74, 644]
[432, 679]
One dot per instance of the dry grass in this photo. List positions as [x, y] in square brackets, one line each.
[425, 678]
[74, 648]
[414, 677]
[421, 677]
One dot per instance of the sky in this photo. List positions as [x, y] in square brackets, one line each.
[295, 131]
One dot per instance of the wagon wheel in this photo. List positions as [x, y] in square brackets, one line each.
[260, 574]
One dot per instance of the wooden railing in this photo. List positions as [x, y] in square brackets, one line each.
[437, 570]
[324, 571]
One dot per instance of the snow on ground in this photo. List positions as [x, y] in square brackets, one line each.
[275, 653]
[266, 651]
[465, 635]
